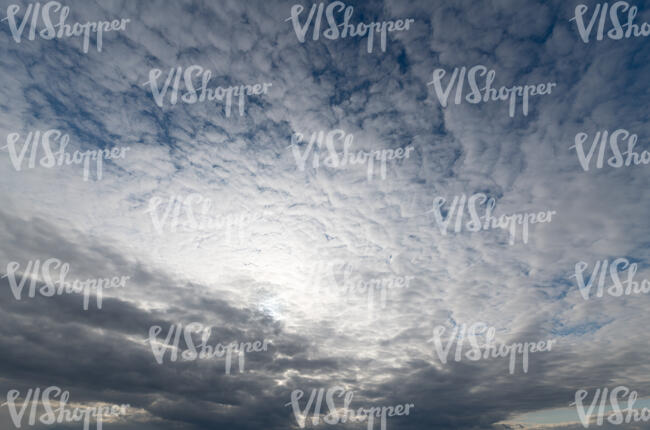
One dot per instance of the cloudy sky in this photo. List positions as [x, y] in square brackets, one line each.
[274, 246]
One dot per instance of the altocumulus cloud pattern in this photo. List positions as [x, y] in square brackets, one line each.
[391, 214]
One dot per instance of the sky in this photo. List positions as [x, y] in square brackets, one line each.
[275, 241]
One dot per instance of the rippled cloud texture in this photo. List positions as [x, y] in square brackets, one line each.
[276, 241]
